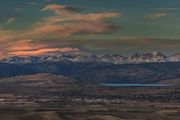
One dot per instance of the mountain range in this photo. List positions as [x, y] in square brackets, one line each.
[144, 68]
[97, 73]
[85, 58]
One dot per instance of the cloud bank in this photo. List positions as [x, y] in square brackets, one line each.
[65, 22]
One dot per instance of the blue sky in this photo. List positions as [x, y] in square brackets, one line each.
[97, 26]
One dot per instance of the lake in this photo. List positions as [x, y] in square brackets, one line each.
[136, 85]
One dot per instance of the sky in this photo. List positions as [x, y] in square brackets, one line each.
[37, 27]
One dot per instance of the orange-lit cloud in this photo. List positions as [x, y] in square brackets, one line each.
[64, 25]
[42, 51]
[53, 7]
[60, 8]
[66, 22]
[25, 45]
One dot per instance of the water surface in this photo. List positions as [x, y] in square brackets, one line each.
[136, 85]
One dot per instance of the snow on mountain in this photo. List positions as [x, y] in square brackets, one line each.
[116, 59]
[148, 57]
[174, 57]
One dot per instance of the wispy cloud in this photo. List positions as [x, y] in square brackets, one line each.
[58, 9]
[165, 9]
[69, 21]
[42, 51]
[155, 16]
[11, 20]
[28, 47]
[33, 3]
[18, 9]
[66, 22]
[48, 0]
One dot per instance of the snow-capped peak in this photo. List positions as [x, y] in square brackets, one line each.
[108, 58]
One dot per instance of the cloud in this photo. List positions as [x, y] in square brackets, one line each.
[48, 0]
[155, 16]
[165, 9]
[25, 45]
[33, 3]
[18, 9]
[65, 23]
[53, 7]
[42, 51]
[28, 47]
[70, 21]
[11, 20]
[94, 23]
[59, 8]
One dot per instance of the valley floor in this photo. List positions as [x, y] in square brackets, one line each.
[94, 103]
[60, 98]
[126, 111]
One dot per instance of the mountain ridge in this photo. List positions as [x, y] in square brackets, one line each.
[95, 73]
[107, 58]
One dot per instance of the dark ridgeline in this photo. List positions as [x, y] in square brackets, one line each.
[96, 73]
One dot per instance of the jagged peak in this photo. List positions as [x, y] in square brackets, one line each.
[117, 58]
